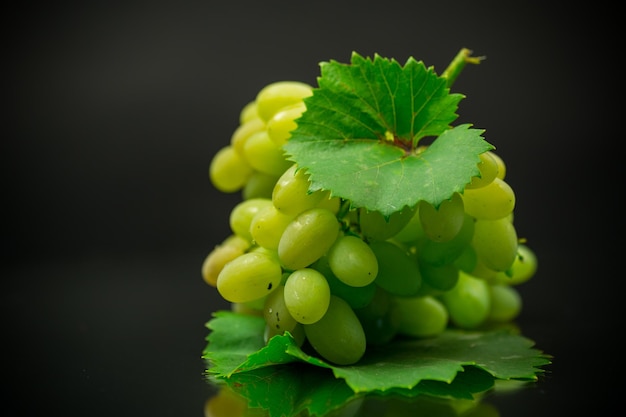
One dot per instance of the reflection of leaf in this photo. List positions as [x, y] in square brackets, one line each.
[362, 127]
[287, 390]
[281, 376]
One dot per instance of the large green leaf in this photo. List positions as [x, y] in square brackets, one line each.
[359, 135]
[281, 376]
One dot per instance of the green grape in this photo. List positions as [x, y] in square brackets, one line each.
[307, 295]
[338, 336]
[412, 231]
[307, 238]
[468, 303]
[524, 267]
[421, 316]
[353, 261]
[506, 303]
[374, 226]
[443, 223]
[330, 203]
[291, 194]
[297, 333]
[268, 225]
[397, 272]
[259, 185]
[501, 165]
[248, 112]
[274, 97]
[495, 242]
[442, 253]
[242, 214]
[247, 309]
[276, 313]
[280, 126]
[243, 132]
[488, 167]
[494, 201]
[439, 278]
[228, 170]
[380, 318]
[263, 155]
[249, 277]
[214, 262]
[467, 259]
[481, 270]
[357, 297]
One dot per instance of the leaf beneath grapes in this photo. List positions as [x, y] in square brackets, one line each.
[289, 390]
[281, 377]
[359, 136]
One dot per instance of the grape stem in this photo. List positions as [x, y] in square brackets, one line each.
[457, 65]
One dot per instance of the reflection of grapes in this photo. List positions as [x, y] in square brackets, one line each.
[339, 278]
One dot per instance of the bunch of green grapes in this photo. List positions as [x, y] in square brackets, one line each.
[340, 278]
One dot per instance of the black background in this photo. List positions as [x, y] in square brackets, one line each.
[115, 111]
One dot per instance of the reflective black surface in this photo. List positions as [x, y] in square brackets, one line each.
[114, 113]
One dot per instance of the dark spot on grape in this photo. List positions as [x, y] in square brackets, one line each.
[277, 316]
[278, 326]
[269, 287]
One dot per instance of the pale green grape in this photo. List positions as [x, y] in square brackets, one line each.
[276, 313]
[421, 316]
[267, 226]
[440, 278]
[247, 309]
[380, 318]
[353, 261]
[307, 238]
[397, 272]
[282, 123]
[524, 267]
[248, 112]
[488, 167]
[259, 185]
[249, 277]
[243, 132]
[228, 170]
[374, 226]
[297, 333]
[275, 96]
[242, 214]
[412, 231]
[355, 296]
[481, 270]
[491, 202]
[306, 295]
[263, 155]
[443, 223]
[330, 203]
[230, 249]
[442, 253]
[469, 302]
[338, 336]
[506, 303]
[291, 194]
[501, 165]
[467, 259]
[495, 242]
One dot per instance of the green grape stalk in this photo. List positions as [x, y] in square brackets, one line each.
[339, 276]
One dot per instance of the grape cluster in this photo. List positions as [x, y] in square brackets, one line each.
[342, 278]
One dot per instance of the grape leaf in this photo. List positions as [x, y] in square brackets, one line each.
[456, 364]
[359, 135]
[298, 389]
